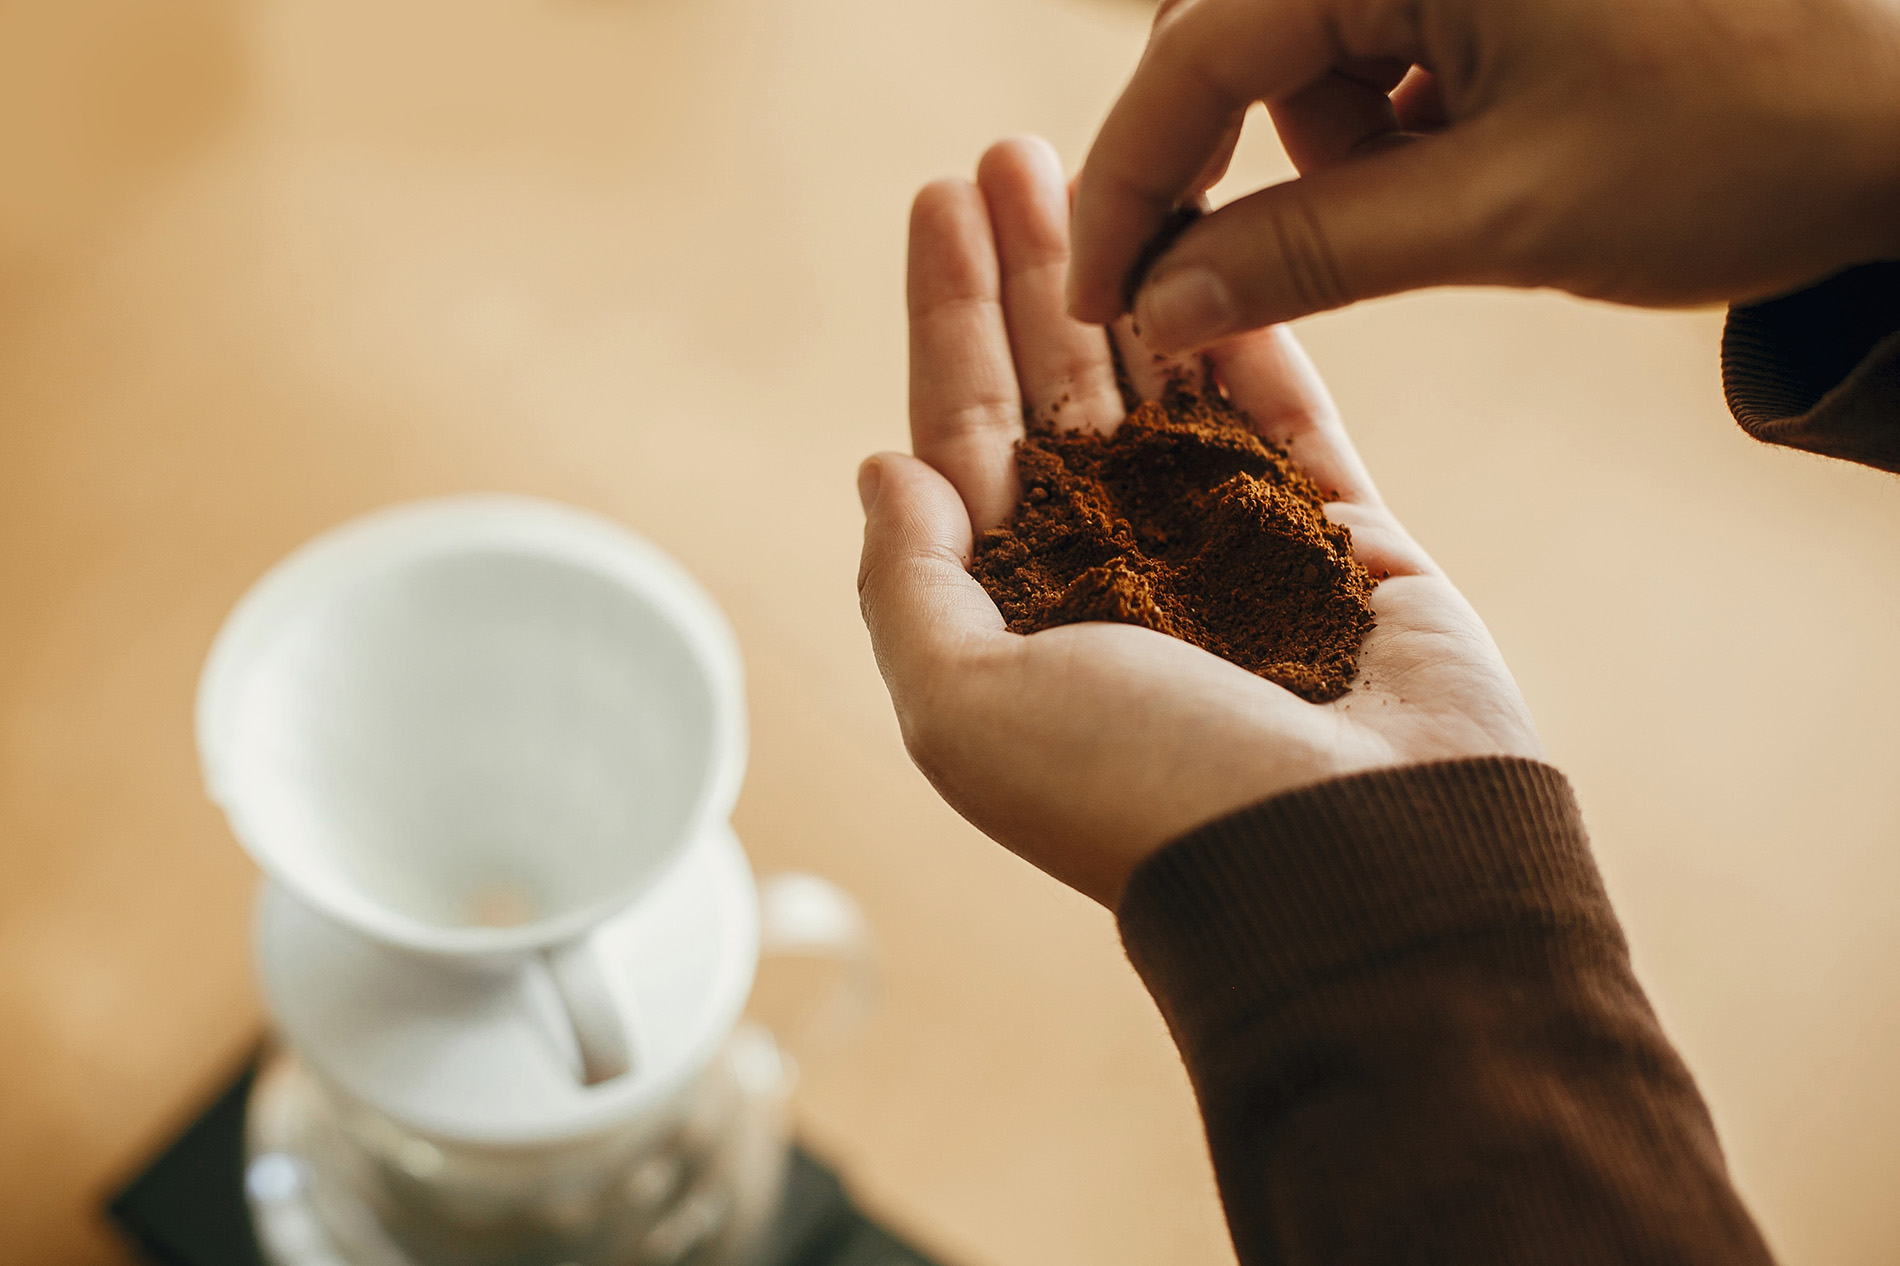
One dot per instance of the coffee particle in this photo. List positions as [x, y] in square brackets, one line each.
[1186, 522]
[1178, 221]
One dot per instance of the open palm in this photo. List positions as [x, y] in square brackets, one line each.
[1087, 747]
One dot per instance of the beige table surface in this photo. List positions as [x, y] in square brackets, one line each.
[265, 266]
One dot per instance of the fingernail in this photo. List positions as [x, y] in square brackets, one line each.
[1185, 310]
[870, 475]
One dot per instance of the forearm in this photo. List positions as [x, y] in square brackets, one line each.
[1409, 1016]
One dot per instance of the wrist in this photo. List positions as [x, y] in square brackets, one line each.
[1877, 209]
[1341, 878]
[1887, 214]
[1875, 154]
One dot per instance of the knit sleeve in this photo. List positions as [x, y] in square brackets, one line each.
[1820, 369]
[1408, 1013]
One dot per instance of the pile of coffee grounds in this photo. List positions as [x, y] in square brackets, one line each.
[1186, 522]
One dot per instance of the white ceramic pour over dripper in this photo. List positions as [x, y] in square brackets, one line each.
[473, 730]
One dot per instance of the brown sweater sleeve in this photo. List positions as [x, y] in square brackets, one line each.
[1820, 369]
[1403, 998]
[1408, 1014]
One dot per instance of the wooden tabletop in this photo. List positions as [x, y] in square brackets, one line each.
[264, 266]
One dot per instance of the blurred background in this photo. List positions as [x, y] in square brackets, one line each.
[267, 264]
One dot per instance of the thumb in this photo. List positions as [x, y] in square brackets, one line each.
[1429, 211]
[923, 608]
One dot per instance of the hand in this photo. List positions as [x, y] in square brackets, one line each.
[1085, 748]
[1658, 152]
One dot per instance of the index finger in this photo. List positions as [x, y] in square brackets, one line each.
[1206, 62]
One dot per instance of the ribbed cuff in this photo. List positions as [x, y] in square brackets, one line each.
[1820, 369]
[1251, 910]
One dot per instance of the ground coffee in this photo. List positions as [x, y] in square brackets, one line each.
[1186, 522]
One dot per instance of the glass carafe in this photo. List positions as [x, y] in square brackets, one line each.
[692, 1180]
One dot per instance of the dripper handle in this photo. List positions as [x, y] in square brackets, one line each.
[600, 1028]
[806, 916]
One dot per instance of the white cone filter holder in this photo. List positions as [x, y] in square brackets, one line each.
[485, 749]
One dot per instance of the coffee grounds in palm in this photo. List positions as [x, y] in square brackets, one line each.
[1186, 522]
